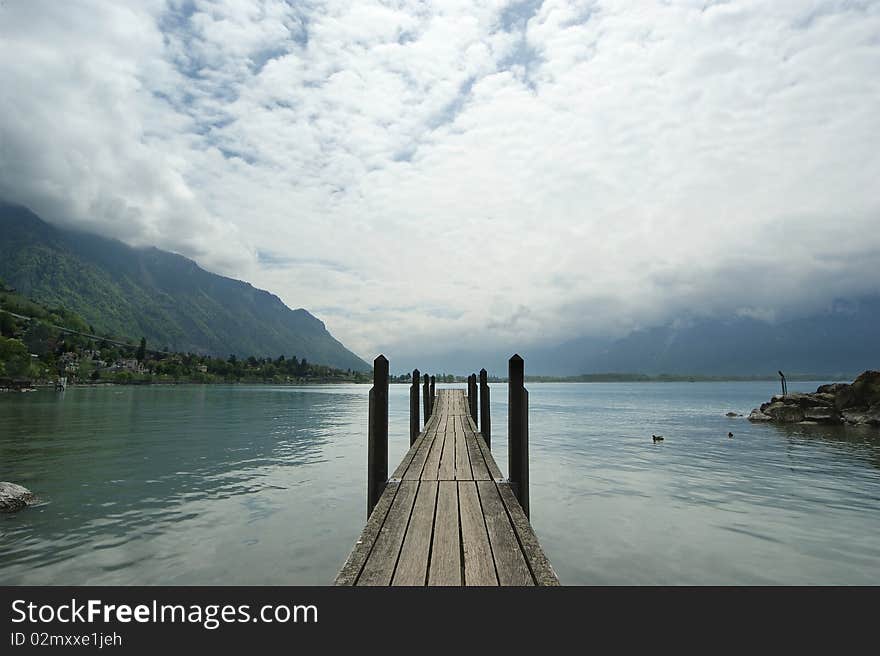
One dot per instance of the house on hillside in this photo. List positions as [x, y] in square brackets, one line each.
[69, 362]
[128, 364]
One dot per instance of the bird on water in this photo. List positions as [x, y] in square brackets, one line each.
[729, 434]
[657, 438]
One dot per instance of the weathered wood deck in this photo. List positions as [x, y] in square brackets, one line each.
[447, 517]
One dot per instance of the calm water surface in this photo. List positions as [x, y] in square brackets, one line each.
[266, 485]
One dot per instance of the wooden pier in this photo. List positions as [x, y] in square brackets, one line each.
[446, 516]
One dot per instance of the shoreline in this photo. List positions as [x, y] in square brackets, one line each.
[48, 386]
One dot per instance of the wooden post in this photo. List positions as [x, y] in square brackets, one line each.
[426, 391]
[474, 398]
[518, 431]
[414, 418]
[377, 441]
[433, 393]
[485, 420]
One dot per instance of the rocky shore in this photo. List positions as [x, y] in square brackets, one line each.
[838, 403]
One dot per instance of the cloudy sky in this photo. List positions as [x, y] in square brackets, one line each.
[426, 175]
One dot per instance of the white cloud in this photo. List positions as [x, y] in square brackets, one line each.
[463, 174]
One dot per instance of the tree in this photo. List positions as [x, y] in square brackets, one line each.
[15, 360]
[7, 324]
[86, 369]
[142, 350]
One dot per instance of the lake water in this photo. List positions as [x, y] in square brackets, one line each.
[266, 485]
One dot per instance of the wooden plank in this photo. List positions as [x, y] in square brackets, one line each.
[414, 471]
[407, 458]
[469, 424]
[446, 471]
[380, 564]
[462, 459]
[350, 571]
[445, 566]
[541, 568]
[491, 465]
[478, 463]
[510, 563]
[412, 566]
[479, 567]
[432, 463]
[462, 405]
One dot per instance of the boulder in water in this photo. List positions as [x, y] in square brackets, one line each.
[14, 497]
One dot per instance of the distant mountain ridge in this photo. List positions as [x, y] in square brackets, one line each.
[165, 297]
[835, 344]
[842, 341]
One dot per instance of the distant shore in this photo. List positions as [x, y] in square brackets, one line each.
[32, 386]
[678, 378]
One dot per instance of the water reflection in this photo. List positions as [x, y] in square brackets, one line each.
[122, 469]
[852, 441]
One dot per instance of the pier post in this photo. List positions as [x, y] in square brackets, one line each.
[433, 393]
[426, 392]
[414, 418]
[485, 420]
[518, 431]
[474, 398]
[377, 440]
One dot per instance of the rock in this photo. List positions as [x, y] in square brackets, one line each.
[866, 388]
[856, 403]
[822, 415]
[803, 400]
[14, 497]
[844, 397]
[784, 413]
[863, 416]
[856, 415]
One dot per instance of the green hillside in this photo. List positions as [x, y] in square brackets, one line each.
[165, 297]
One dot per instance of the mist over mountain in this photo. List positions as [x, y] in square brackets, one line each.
[149, 292]
[173, 302]
[840, 341]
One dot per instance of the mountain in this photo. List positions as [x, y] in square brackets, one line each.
[836, 343]
[842, 340]
[165, 297]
